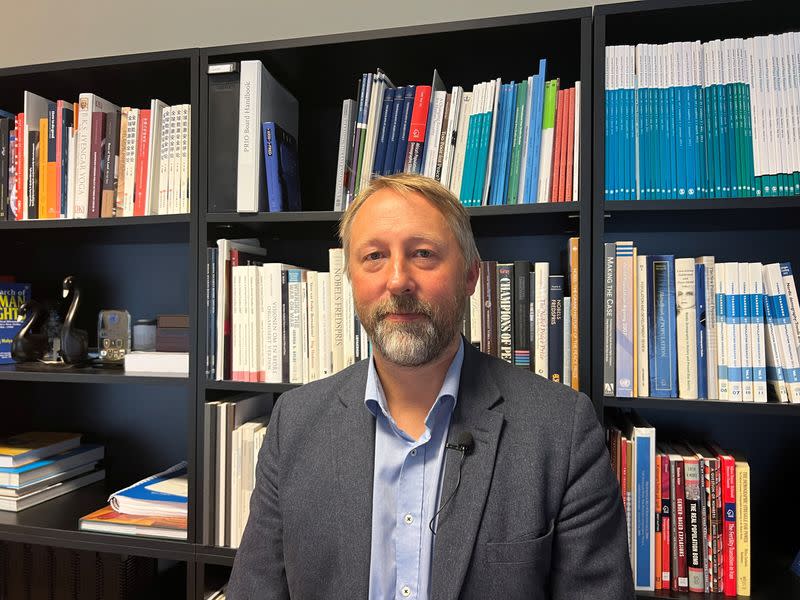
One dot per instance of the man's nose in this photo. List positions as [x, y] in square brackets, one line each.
[400, 280]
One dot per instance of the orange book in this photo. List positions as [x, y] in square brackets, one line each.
[558, 138]
[570, 153]
[143, 146]
[574, 292]
[43, 172]
[107, 520]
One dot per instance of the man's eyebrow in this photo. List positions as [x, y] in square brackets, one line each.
[416, 239]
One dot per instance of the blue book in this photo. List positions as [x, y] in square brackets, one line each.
[630, 142]
[644, 150]
[535, 135]
[691, 143]
[662, 327]
[280, 160]
[165, 492]
[681, 143]
[12, 296]
[482, 157]
[470, 156]
[394, 131]
[383, 133]
[53, 464]
[702, 329]
[509, 113]
[405, 123]
[614, 156]
[609, 162]
[700, 127]
[494, 192]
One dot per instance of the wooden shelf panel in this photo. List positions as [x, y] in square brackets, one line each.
[723, 406]
[88, 375]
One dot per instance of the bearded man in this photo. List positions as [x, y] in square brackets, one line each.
[430, 470]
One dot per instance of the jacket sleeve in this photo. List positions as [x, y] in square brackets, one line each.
[259, 570]
[590, 548]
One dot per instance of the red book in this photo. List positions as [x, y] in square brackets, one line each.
[728, 493]
[570, 146]
[417, 129]
[562, 171]
[557, 142]
[666, 510]
[140, 194]
[22, 170]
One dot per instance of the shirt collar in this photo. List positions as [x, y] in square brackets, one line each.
[375, 399]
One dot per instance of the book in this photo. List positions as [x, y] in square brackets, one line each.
[107, 520]
[50, 465]
[280, 161]
[164, 494]
[50, 492]
[161, 363]
[29, 447]
[12, 296]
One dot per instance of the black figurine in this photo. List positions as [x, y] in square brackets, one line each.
[30, 344]
[74, 341]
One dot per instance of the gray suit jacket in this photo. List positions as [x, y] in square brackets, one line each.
[538, 513]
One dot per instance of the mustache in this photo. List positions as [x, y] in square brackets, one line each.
[402, 304]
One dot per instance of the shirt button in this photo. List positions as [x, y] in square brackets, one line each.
[408, 519]
[414, 452]
[406, 591]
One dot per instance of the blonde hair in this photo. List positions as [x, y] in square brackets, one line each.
[445, 202]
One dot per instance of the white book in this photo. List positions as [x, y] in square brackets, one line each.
[733, 330]
[254, 321]
[325, 367]
[373, 125]
[774, 361]
[313, 325]
[790, 361]
[267, 324]
[337, 277]
[745, 328]
[345, 148]
[224, 256]
[154, 157]
[128, 170]
[35, 108]
[492, 101]
[173, 169]
[186, 161]
[305, 341]
[273, 280]
[457, 168]
[542, 278]
[296, 347]
[757, 332]
[162, 363]
[348, 324]
[456, 102]
[238, 329]
[439, 98]
[475, 311]
[711, 326]
[237, 450]
[261, 98]
[642, 347]
[166, 147]
[576, 163]
[71, 173]
[792, 303]
[53, 491]
[721, 331]
[546, 157]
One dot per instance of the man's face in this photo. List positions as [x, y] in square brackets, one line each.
[409, 281]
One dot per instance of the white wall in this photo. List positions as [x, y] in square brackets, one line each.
[39, 31]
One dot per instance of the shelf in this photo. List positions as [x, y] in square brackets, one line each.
[85, 223]
[46, 232]
[250, 386]
[55, 523]
[752, 408]
[215, 555]
[486, 220]
[88, 375]
[718, 214]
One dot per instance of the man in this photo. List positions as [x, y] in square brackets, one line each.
[356, 466]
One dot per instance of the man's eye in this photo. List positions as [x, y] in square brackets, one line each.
[373, 256]
[424, 253]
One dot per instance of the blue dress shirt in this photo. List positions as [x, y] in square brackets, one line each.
[405, 492]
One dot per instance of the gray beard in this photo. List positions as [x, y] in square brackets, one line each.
[416, 343]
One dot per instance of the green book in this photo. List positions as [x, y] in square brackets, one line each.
[518, 140]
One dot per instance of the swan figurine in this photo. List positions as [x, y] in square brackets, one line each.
[74, 341]
[30, 344]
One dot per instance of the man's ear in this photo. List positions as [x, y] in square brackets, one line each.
[473, 273]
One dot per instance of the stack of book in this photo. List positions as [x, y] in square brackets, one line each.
[234, 432]
[501, 143]
[40, 465]
[695, 328]
[91, 158]
[715, 119]
[688, 510]
[155, 507]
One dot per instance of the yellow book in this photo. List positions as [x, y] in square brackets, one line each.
[574, 279]
[743, 558]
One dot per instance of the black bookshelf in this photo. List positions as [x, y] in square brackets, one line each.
[735, 229]
[86, 375]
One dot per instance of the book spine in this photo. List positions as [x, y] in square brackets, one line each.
[343, 168]
[686, 328]
[729, 523]
[642, 349]
[624, 319]
[555, 334]
[336, 267]
[574, 335]
[743, 553]
[542, 295]
[693, 538]
[489, 318]
[505, 276]
[661, 343]
[701, 329]
[522, 295]
[609, 323]
[142, 146]
[248, 187]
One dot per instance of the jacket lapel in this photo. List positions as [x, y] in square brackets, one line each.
[457, 525]
[353, 450]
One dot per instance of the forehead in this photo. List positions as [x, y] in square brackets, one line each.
[388, 213]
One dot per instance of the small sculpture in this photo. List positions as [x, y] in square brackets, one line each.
[74, 341]
[30, 344]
